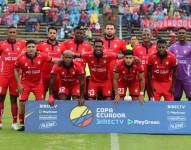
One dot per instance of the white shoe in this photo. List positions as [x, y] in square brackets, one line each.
[1, 125]
[14, 126]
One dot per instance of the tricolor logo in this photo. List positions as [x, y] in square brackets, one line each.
[81, 116]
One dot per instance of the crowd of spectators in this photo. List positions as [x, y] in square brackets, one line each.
[66, 13]
[136, 11]
[70, 13]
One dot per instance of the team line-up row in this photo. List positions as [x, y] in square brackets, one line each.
[60, 67]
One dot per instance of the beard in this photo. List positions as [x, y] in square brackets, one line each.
[98, 55]
[67, 64]
[109, 37]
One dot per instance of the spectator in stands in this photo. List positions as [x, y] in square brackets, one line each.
[83, 17]
[48, 3]
[177, 15]
[82, 4]
[46, 17]
[182, 14]
[128, 20]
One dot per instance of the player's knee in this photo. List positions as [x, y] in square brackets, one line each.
[63, 97]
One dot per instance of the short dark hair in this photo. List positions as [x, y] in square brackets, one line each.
[161, 41]
[79, 27]
[12, 27]
[30, 42]
[182, 28]
[128, 52]
[98, 40]
[53, 28]
[110, 23]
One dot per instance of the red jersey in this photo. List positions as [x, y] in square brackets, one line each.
[162, 67]
[54, 51]
[128, 74]
[78, 48]
[68, 77]
[99, 68]
[143, 53]
[8, 55]
[32, 67]
[114, 45]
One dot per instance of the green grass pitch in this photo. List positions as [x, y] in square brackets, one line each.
[13, 140]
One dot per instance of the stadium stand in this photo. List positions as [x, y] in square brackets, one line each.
[29, 16]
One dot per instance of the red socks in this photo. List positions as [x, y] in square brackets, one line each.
[1, 110]
[21, 118]
[14, 111]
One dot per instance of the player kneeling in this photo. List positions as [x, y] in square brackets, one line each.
[129, 73]
[30, 64]
[71, 75]
[162, 72]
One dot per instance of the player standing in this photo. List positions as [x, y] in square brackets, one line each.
[54, 49]
[182, 51]
[143, 51]
[71, 75]
[30, 63]
[111, 42]
[78, 46]
[99, 64]
[9, 50]
[162, 72]
[129, 73]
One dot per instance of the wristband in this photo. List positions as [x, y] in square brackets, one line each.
[142, 93]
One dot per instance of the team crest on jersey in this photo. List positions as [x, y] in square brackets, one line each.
[7, 49]
[73, 72]
[39, 62]
[136, 90]
[185, 51]
[123, 72]
[92, 62]
[156, 62]
[115, 46]
[26, 64]
[63, 73]
[133, 71]
[140, 52]
[83, 50]
[18, 48]
[167, 63]
[104, 61]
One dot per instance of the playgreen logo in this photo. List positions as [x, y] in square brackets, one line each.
[130, 122]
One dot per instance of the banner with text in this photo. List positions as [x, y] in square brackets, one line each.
[167, 23]
[108, 117]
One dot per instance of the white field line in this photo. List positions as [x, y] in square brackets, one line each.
[114, 142]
